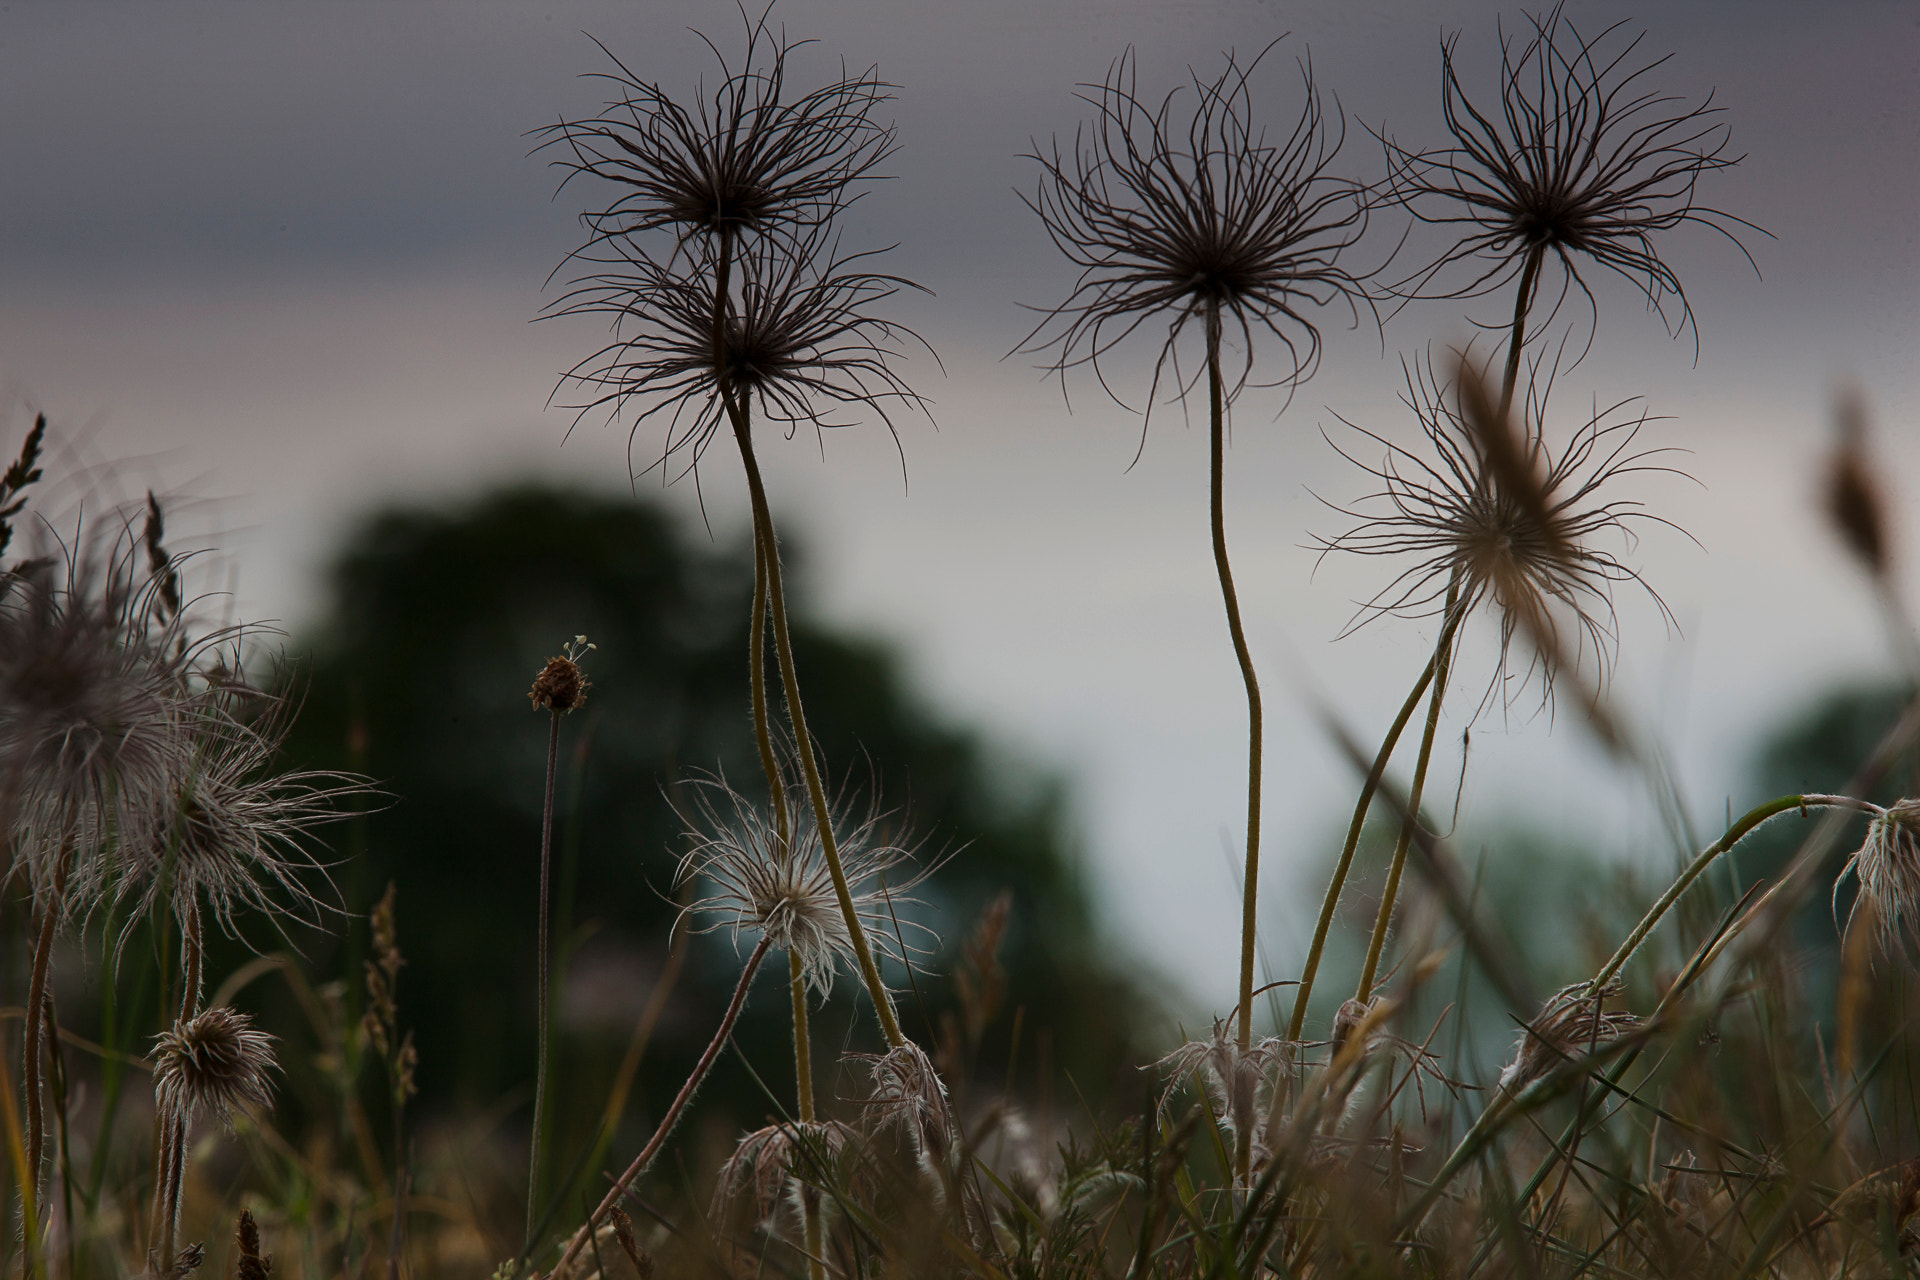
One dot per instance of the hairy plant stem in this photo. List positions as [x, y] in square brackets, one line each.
[32, 1032]
[736, 409]
[1442, 662]
[541, 980]
[803, 1087]
[1734, 834]
[1250, 892]
[1367, 789]
[757, 661]
[796, 974]
[674, 1109]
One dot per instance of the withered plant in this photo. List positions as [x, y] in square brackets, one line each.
[721, 268]
[1184, 213]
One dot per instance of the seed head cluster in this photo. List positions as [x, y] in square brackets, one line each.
[1188, 210]
[212, 1064]
[1523, 532]
[764, 882]
[1580, 160]
[1887, 866]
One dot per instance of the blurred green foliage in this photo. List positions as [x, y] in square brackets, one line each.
[438, 621]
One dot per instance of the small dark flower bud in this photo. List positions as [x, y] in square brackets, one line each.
[249, 1262]
[561, 684]
[623, 1228]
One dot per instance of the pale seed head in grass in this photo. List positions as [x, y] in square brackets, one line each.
[232, 831]
[1572, 1024]
[1887, 865]
[1507, 521]
[757, 882]
[1581, 160]
[777, 1163]
[908, 1094]
[1188, 208]
[212, 1064]
[1239, 1086]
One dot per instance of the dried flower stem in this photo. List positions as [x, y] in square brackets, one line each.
[1517, 336]
[1367, 790]
[1442, 661]
[32, 1032]
[672, 1116]
[542, 978]
[1734, 834]
[769, 559]
[796, 972]
[1248, 910]
[762, 732]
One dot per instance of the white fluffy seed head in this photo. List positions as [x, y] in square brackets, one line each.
[782, 888]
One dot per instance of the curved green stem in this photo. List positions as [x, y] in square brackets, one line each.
[802, 742]
[1345, 865]
[1481, 1131]
[1517, 338]
[769, 557]
[1734, 834]
[763, 734]
[1442, 660]
[1251, 881]
[803, 1086]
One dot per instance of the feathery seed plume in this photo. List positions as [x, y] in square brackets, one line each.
[212, 1064]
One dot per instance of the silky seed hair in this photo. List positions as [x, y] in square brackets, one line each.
[749, 158]
[233, 831]
[801, 342]
[97, 708]
[212, 1064]
[1581, 159]
[758, 883]
[1533, 548]
[773, 1163]
[1887, 866]
[1572, 1024]
[1174, 208]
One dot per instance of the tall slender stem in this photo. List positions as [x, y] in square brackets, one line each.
[1250, 891]
[1442, 661]
[762, 731]
[803, 742]
[672, 1117]
[32, 1031]
[541, 980]
[803, 1088]
[1517, 337]
[802, 1043]
[736, 408]
[796, 972]
[1367, 789]
[1734, 834]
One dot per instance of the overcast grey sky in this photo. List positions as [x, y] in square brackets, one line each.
[287, 255]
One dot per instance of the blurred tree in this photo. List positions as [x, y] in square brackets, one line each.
[437, 624]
